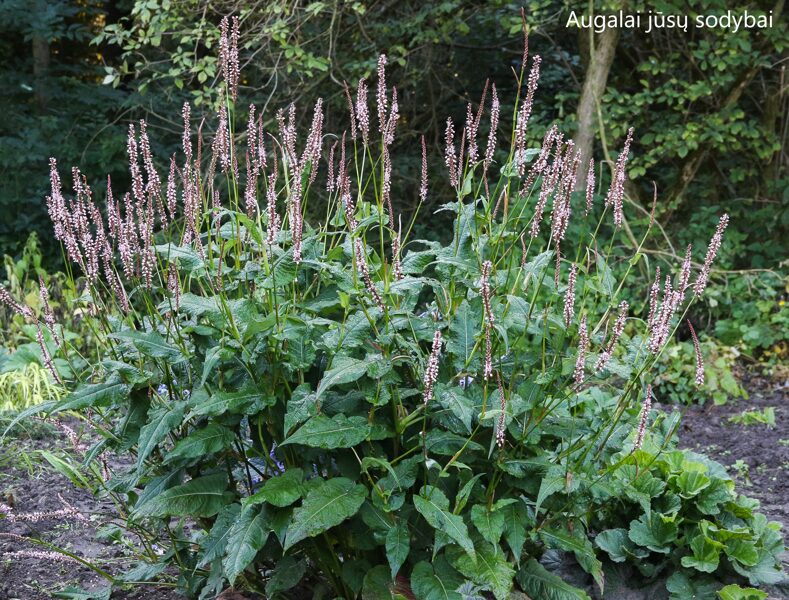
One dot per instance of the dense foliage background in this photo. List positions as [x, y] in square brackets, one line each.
[708, 106]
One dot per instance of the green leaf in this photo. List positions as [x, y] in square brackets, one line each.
[201, 442]
[554, 481]
[682, 587]
[435, 582]
[94, 395]
[301, 405]
[151, 344]
[377, 584]
[187, 257]
[456, 402]
[654, 531]
[579, 544]
[489, 523]
[398, 544]
[461, 337]
[706, 554]
[287, 574]
[605, 277]
[344, 370]
[338, 431]
[213, 545]
[201, 497]
[247, 536]
[690, 482]
[616, 543]
[326, 505]
[433, 505]
[735, 592]
[220, 403]
[489, 569]
[537, 582]
[280, 491]
[743, 551]
[283, 272]
[155, 431]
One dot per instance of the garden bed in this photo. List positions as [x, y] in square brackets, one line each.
[756, 455]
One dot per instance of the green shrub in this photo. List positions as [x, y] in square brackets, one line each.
[340, 405]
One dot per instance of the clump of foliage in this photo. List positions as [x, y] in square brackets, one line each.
[339, 405]
[675, 374]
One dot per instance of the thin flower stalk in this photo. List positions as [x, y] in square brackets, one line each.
[423, 180]
[646, 408]
[583, 348]
[589, 187]
[569, 296]
[619, 327]
[616, 192]
[450, 155]
[495, 111]
[380, 97]
[501, 424]
[364, 271]
[524, 114]
[699, 357]
[712, 251]
[431, 370]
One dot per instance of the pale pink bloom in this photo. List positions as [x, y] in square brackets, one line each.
[642, 424]
[583, 348]
[431, 371]
[712, 251]
[569, 296]
[699, 357]
[495, 110]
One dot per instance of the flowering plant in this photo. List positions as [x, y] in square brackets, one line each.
[339, 404]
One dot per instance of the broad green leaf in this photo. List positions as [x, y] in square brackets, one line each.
[219, 403]
[489, 569]
[489, 523]
[743, 551]
[328, 504]
[577, 543]
[654, 531]
[202, 442]
[151, 344]
[187, 257]
[247, 536]
[398, 544]
[280, 491]
[616, 543]
[94, 395]
[201, 497]
[554, 481]
[338, 431]
[301, 405]
[456, 402]
[691, 482]
[213, 545]
[682, 587]
[344, 369]
[283, 272]
[377, 585]
[155, 431]
[287, 574]
[435, 582]
[461, 338]
[735, 592]
[433, 505]
[537, 582]
[706, 554]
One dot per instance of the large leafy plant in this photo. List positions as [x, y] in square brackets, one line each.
[340, 406]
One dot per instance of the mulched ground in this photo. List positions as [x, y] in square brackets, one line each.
[762, 472]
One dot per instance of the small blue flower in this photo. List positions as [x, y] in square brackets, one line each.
[466, 381]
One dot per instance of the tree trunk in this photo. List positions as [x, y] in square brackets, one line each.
[601, 56]
[40, 64]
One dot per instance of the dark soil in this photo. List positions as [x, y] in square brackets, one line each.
[756, 455]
